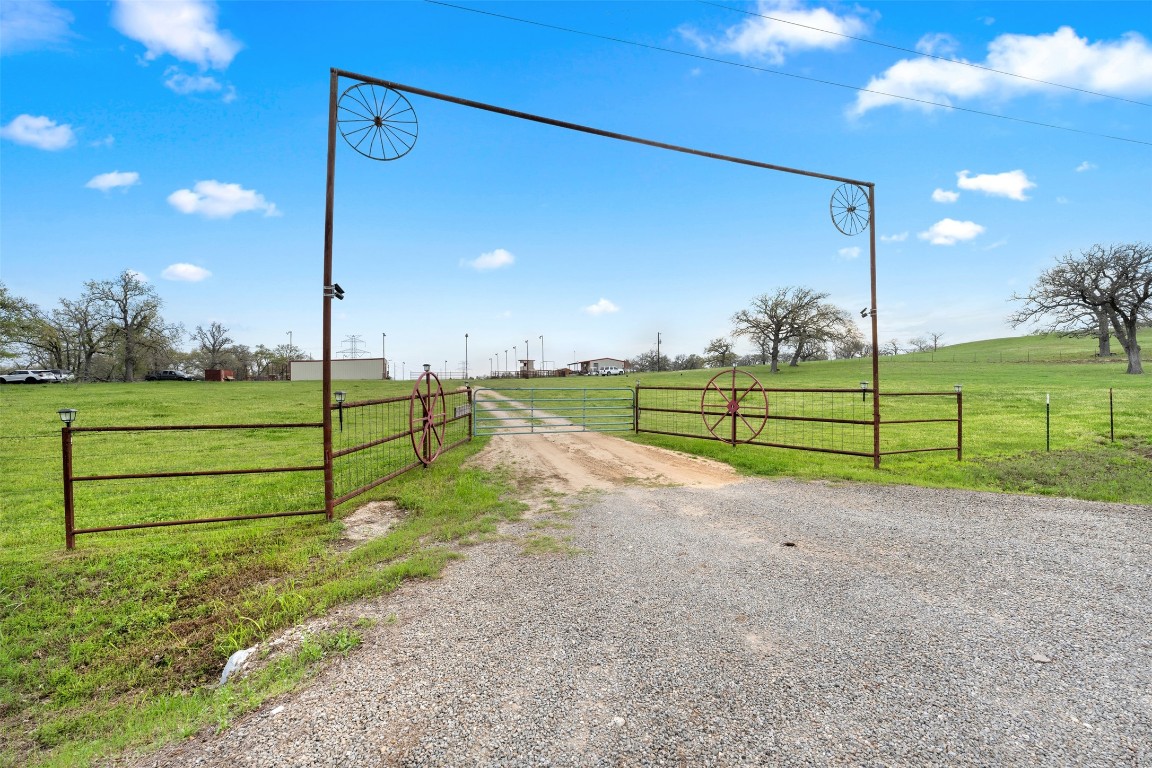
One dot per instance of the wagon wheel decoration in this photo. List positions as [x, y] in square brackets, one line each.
[377, 122]
[737, 405]
[850, 209]
[427, 417]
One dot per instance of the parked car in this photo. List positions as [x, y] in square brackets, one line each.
[29, 377]
[611, 370]
[169, 376]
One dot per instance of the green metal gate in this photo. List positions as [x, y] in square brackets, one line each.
[542, 410]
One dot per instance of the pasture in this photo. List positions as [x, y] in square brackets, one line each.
[118, 642]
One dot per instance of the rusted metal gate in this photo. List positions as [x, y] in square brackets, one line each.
[545, 410]
[734, 407]
[376, 440]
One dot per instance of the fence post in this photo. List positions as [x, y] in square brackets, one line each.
[636, 408]
[69, 501]
[471, 410]
[1111, 416]
[959, 423]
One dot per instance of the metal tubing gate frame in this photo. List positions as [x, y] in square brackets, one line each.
[553, 410]
[387, 116]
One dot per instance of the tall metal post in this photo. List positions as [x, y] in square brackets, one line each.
[69, 501]
[959, 424]
[465, 355]
[875, 329]
[326, 389]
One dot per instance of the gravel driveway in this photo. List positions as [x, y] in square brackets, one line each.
[905, 627]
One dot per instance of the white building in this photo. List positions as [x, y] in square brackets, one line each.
[364, 368]
[592, 367]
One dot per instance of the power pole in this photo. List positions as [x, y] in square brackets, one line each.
[657, 351]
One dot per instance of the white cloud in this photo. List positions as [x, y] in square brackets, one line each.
[950, 232]
[185, 29]
[40, 132]
[602, 307]
[185, 273]
[1118, 68]
[138, 275]
[1011, 184]
[938, 44]
[766, 38]
[1086, 166]
[182, 83]
[112, 180]
[945, 196]
[216, 200]
[496, 259]
[107, 141]
[852, 252]
[894, 238]
[29, 24]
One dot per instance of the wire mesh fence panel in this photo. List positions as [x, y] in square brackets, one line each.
[825, 420]
[376, 440]
[516, 411]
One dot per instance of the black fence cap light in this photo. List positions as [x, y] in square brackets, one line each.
[427, 367]
[340, 395]
[67, 415]
[958, 388]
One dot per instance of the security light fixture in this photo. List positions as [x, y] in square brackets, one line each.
[863, 391]
[958, 388]
[427, 367]
[67, 415]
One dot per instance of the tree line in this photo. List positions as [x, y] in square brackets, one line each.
[115, 331]
[1102, 292]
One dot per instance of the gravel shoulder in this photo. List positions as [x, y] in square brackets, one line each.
[902, 627]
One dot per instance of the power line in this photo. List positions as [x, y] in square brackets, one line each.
[783, 74]
[925, 55]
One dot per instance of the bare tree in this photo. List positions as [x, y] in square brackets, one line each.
[935, 337]
[214, 341]
[794, 317]
[891, 348]
[1104, 283]
[689, 362]
[920, 344]
[719, 352]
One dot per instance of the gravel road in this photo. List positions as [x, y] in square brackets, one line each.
[905, 627]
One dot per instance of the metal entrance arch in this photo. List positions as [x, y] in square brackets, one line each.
[380, 123]
[547, 410]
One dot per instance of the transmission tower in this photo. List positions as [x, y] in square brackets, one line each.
[353, 347]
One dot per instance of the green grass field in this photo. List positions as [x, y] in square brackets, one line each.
[116, 645]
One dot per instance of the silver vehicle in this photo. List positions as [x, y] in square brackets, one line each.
[29, 377]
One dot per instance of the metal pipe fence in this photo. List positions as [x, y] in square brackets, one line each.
[127, 477]
[836, 421]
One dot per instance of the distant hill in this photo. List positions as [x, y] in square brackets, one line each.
[1045, 348]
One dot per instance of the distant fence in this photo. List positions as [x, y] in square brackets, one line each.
[122, 478]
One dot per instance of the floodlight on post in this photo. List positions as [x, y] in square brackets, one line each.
[68, 415]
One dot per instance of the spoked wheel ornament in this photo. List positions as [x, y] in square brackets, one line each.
[377, 122]
[736, 396]
[850, 209]
[427, 417]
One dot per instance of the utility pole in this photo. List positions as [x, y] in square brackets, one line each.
[465, 356]
[541, 352]
[657, 351]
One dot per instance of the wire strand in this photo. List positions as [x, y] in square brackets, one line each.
[784, 74]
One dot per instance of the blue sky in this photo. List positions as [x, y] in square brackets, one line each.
[186, 141]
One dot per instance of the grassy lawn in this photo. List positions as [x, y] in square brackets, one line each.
[119, 643]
